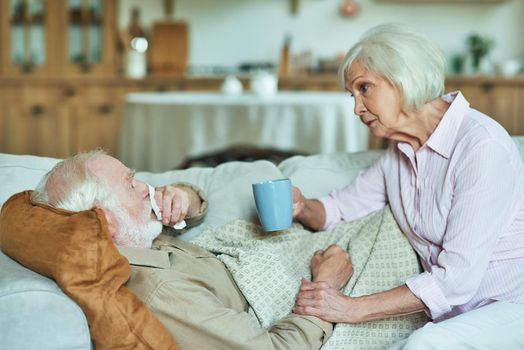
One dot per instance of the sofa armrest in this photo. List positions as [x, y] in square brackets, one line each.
[36, 314]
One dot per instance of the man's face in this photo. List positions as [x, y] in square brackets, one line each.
[135, 223]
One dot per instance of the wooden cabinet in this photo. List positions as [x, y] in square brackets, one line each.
[322, 82]
[35, 121]
[500, 98]
[57, 68]
[90, 45]
[473, 2]
[26, 33]
[59, 117]
[57, 38]
[98, 118]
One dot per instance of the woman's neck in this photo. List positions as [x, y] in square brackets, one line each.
[422, 123]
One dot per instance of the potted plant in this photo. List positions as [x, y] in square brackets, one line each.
[478, 47]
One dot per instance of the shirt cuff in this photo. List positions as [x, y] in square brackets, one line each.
[333, 216]
[426, 289]
[197, 218]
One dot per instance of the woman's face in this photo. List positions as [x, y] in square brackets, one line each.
[377, 100]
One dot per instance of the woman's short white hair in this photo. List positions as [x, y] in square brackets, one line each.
[414, 63]
[71, 186]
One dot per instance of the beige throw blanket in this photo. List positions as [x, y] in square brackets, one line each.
[268, 268]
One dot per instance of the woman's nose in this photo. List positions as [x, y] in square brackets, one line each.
[359, 107]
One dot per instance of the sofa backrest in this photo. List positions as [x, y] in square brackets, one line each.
[228, 185]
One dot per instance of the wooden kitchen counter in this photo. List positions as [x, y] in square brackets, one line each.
[60, 116]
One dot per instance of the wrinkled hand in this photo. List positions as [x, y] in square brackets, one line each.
[298, 201]
[332, 265]
[323, 301]
[173, 203]
[331, 269]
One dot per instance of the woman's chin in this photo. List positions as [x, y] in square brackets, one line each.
[378, 133]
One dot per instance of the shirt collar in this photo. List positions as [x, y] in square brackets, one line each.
[441, 140]
[146, 257]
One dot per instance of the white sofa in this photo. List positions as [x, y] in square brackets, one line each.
[36, 314]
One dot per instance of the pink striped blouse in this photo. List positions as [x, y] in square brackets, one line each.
[460, 201]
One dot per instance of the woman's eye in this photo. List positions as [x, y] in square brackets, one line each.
[363, 88]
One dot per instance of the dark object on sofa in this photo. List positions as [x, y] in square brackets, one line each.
[239, 152]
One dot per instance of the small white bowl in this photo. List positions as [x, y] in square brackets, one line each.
[510, 68]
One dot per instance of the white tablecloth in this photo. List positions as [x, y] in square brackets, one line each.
[160, 130]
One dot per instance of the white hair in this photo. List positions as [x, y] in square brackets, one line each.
[71, 186]
[411, 61]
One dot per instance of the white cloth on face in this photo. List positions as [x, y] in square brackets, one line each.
[178, 226]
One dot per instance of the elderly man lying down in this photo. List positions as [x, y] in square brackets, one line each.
[194, 295]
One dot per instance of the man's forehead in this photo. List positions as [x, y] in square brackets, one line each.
[105, 165]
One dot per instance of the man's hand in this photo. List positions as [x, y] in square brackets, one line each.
[173, 203]
[332, 266]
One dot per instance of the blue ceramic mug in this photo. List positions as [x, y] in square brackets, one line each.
[274, 201]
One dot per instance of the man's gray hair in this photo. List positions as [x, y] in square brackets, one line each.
[71, 186]
[411, 61]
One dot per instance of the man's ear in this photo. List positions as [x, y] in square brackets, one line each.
[112, 222]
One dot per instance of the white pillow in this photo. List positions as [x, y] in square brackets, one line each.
[317, 175]
[228, 185]
[21, 172]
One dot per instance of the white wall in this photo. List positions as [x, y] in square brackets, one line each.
[227, 32]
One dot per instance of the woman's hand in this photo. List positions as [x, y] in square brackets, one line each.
[331, 269]
[323, 301]
[310, 212]
[298, 202]
[173, 203]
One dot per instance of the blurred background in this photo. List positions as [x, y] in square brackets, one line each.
[74, 72]
[228, 33]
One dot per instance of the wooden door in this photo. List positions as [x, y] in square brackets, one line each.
[518, 117]
[98, 118]
[28, 32]
[478, 95]
[88, 30]
[3, 103]
[504, 107]
[497, 98]
[36, 121]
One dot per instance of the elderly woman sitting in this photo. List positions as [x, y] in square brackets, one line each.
[455, 183]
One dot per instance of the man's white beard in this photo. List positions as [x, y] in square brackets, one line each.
[132, 232]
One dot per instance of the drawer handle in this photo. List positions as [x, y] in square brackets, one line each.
[70, 92]
[487, 87]
[105, 109]
[28, 67]
[37, 110]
